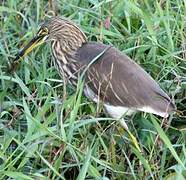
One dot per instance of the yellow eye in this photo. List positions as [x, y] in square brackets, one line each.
[43, 31]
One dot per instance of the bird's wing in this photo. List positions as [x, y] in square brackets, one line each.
[119, 81]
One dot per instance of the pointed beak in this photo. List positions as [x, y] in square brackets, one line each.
[36, 41]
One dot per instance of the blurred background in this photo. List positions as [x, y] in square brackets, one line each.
[49, 133]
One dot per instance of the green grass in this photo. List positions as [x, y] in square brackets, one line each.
[48, 131]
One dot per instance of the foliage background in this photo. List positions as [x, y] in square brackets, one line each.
[48, 133]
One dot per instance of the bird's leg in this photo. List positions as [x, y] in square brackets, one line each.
[132, 137]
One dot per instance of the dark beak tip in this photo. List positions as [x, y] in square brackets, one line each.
[16, 58]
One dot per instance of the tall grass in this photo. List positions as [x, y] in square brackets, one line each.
[49, 131]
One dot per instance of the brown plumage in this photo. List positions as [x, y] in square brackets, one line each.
[113, 78]
[123, 82]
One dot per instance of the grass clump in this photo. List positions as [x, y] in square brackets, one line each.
[49, 132]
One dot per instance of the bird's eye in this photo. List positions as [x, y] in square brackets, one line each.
[43, 31]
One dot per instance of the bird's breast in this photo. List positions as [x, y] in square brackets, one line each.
[67, 67]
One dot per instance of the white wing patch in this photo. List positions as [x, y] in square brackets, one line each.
[119, 111]
[148, 109]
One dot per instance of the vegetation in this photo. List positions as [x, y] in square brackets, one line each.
[48, 131]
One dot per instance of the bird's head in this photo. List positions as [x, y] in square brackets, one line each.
[56, 29]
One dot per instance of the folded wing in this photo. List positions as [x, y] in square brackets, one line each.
[119, 81]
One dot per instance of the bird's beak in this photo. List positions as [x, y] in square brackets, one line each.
[36, 41]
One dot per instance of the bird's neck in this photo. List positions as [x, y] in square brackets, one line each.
[68, 45]
[63, 52]
[67, 48]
